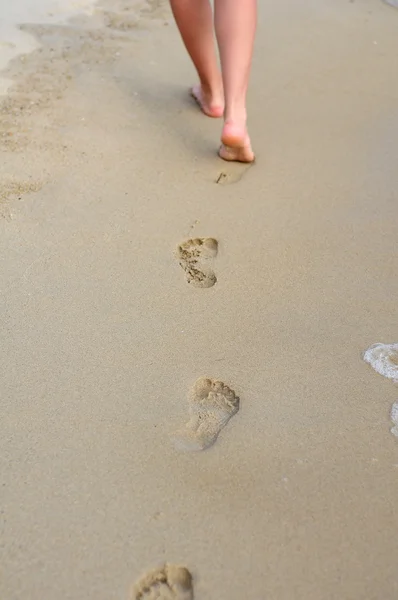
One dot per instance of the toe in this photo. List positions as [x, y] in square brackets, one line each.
[217, 386]
[202, 387]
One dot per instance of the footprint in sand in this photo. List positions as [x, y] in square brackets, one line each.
[233, 174]
[384, 359]
[194, 256]
[211, 406]
[171, 582]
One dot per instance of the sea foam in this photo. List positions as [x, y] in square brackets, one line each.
[394, 419]
[384, 359]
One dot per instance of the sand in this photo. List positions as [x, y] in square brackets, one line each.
[15, 42]
[106, 167]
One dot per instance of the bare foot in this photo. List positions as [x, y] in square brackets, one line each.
[236, 144]
[210, 104]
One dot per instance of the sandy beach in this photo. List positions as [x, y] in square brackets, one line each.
[106, 167]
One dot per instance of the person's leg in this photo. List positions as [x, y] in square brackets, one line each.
[194, 19]
[235, 25]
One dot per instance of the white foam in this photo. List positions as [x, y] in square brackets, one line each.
[14, 42]
[384, 359]
[394, 418]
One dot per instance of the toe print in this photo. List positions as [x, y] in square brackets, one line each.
[171, 582]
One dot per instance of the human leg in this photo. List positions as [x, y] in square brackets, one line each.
[235, 26]
[194, 20]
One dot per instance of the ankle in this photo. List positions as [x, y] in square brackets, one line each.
[236, 122]
[212, 88]
[236, 113]
[235, 118]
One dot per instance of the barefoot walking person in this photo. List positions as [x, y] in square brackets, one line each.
[221, 94]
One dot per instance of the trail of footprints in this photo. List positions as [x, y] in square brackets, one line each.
[211, 404]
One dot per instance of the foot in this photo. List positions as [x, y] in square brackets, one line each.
[210, 103]
[236, 144]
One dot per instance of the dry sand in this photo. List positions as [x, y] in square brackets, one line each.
[107, 165]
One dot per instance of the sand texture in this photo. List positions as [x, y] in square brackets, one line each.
[134, 262]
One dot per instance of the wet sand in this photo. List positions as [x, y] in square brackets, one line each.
[106, 167]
